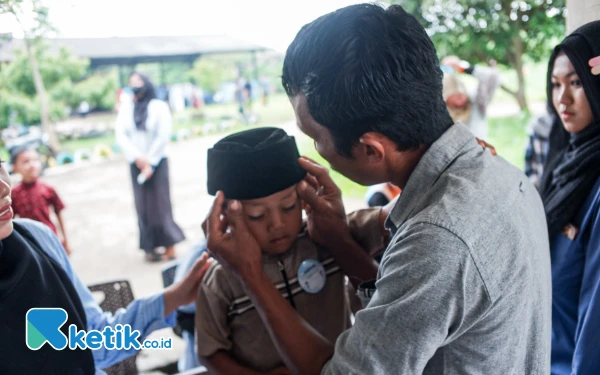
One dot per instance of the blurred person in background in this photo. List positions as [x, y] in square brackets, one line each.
[537, 147]
[470, 107]
[570, 190]
[143, 132]
[381, 194]
[32, 198]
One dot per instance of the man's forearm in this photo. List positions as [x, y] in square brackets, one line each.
[303, 350]
[354, 261]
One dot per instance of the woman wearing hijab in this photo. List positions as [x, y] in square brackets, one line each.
[571, 193]
[143, 131]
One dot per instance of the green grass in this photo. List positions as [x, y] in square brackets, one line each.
[87, 143]
[509, 136]
[349, 188]
[277, 111]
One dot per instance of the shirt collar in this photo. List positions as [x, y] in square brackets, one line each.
[433, 163]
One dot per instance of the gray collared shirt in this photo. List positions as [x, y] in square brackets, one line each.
[464, 286]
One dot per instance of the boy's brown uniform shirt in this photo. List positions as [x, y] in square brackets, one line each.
[226, 319]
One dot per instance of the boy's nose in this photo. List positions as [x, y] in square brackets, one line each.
[276, 223]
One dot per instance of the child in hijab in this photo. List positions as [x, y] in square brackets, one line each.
[260, 168]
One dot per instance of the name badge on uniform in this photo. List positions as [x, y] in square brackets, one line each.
[311, 276]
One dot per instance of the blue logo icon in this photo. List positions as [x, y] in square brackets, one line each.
[43, 326]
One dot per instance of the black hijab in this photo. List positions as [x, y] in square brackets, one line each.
[573, 163]
[30, 278]
[140, 107]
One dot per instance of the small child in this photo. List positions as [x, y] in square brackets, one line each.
[32, 198]
[260, 168]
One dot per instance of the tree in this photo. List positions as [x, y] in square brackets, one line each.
[502, 30]
[19, 99]
[211, 71]
[66, 80]
[32, 37]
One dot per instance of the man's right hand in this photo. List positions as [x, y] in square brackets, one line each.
[327, 221]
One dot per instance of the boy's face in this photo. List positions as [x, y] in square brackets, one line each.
[28, 165]
[274, 221]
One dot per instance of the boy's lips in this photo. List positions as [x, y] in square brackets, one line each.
[279, 240]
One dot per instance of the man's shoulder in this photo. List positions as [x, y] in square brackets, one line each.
[38, 230]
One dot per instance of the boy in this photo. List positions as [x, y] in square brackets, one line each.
[260, 168]
[32, 198]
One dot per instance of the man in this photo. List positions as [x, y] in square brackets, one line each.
[464, 286]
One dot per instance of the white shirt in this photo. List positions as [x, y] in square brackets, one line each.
[152, 142]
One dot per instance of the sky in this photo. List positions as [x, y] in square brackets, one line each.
[272, 23]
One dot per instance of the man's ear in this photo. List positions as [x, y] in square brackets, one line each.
[372, 147]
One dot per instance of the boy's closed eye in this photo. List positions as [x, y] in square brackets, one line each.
[256, 217]
[260, 216]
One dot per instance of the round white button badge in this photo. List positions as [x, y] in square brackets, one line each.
[311, 276]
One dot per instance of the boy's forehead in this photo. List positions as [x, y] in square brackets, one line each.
[284, 195]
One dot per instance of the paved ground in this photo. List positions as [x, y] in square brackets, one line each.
[102, 225]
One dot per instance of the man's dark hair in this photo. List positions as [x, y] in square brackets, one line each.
[366, 68]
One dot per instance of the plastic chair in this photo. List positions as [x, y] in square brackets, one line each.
[117, 294]
[168, 276]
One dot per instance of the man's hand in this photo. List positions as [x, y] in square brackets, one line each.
[595, 65]
[323, 204]
[236, 249]
[485, 145]
[186, 290]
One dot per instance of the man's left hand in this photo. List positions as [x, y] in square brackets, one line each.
[485, 145]
[322, 198]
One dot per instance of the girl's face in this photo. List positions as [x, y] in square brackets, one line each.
[6, 213]
[568, 96]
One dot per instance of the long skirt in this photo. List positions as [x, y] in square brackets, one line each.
[153, 206]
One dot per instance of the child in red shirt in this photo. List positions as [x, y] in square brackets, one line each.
[32, 198]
